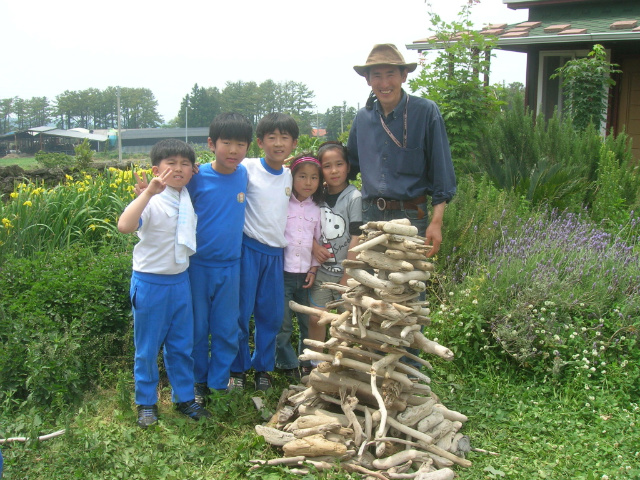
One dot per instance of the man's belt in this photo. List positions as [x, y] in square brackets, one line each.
[411, 204]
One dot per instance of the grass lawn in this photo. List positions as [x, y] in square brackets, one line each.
[26, 162]
[536, 430]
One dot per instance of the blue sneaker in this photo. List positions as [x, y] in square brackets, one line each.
[193, 410]
[147, 415]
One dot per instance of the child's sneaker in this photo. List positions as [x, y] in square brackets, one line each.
[193, 410]
[147, 415]
[262, 381]
[292, 374]
[237, 381]
[201, 392]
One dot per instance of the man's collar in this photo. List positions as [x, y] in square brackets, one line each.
[396, 112]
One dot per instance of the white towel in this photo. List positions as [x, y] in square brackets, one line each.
[175, 202]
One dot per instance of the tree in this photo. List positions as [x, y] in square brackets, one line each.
[585, 84]
[198, 108]
[6, 110]
[241, 97]
[337, 120]
[454, 80]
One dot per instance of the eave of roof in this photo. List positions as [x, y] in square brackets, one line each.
[598, 22]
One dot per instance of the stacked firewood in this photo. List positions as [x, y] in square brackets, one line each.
[365, 404]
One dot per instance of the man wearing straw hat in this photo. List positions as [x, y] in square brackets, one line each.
[399, 144]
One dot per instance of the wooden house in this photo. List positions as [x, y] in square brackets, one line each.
[560, 30]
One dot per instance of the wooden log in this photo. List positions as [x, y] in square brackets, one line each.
[374, 336]
[450, 414]
[429, 346]
[324, 317]
[354, 264]
[307, 411]
[380, 308]
[380, 239]
[381, 260]
[333, 426]
[414, 414]
[398, 229]
[316, 419]
[348, 404]
[442, 474]
[404, 277]
[400, 458]
[410, 257]
[422, 265]
[273, 436]
[278, 461]
[393, 298]
[332, 382]
[354, 364]
[429, 422]
[372, 281]
[313, 446]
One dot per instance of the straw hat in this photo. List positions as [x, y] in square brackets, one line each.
[384, 54]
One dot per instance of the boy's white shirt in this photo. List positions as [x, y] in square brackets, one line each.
[167, 234]
[267, 203]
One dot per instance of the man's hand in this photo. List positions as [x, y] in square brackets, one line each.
[434, 238]
[433, 234]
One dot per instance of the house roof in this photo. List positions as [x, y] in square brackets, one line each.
[154, 133]
[560, 22]
[516, 4]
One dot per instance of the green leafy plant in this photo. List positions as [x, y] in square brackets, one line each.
[585, 83]
[84, 155]
[53, 159]
[64, 317]
[454, 80]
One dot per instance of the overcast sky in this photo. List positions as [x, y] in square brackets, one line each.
[51, 47]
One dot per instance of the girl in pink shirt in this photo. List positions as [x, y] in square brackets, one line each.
[303, 226]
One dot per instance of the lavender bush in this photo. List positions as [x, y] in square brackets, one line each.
[556, 293]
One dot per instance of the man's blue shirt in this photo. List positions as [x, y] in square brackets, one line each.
[424, 166]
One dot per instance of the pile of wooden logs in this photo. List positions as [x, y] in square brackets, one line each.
[364, 404]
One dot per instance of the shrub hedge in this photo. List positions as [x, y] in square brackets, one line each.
[65, 317]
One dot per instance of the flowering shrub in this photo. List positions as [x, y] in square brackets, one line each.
[83, 210]
[557, 294]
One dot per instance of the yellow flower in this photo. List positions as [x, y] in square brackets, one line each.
[87, 177]
[37, 191]
[28, 203]
[7, 223]
[106, 220]
[14, 195]
[68, 177]
[92, 226]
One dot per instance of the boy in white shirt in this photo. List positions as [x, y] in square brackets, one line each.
[160, 290]
[262, 268]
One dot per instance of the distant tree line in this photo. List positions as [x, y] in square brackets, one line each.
[254, 101]
[97, 109]
[91, 108]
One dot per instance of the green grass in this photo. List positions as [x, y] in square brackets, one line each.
[27, 163]
[537, 430]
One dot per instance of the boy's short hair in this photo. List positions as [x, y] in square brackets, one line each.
[277, 121]
[231, 126]
[171, 147]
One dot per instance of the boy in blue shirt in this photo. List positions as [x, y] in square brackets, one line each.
[218, 192]
[160, 290]
[262, 268]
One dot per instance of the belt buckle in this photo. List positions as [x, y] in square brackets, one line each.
[381, 203]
